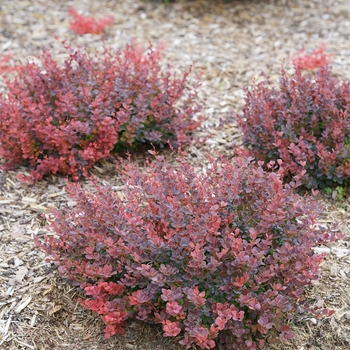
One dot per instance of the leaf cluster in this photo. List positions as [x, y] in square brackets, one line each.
[316, 59]
[305, 123]
[88, 24]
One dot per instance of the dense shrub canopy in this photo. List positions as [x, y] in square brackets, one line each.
[221, 255]
[305, 123]
[65, 118]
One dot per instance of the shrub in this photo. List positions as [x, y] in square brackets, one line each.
[65, 118]
[88, 25]
[221, 255]
[305, 123]
[317, 59]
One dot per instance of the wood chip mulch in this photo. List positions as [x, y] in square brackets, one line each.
[229, 43]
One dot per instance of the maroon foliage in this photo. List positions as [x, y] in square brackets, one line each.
[65, 118]
[220, 255]
[305, 123]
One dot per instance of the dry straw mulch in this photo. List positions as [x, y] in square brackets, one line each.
[229, 43]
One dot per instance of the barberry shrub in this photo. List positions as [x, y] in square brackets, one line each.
[88, 24]
[219, 255]
[63, 119]
[317, 59]
[305, 123]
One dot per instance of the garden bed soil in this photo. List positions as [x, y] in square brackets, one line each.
[229, 43]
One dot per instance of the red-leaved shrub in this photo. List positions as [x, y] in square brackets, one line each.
[5, 65]
[216, 256]
[317, 59]
[305, 123]
[63, 119]
[88, 25]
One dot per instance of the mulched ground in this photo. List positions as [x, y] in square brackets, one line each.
[229, 43]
